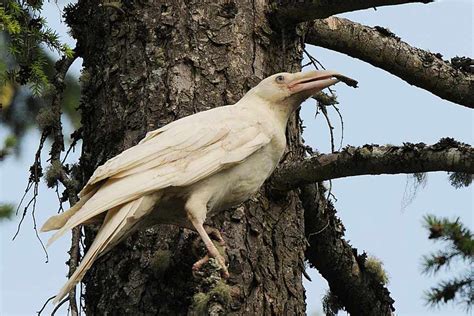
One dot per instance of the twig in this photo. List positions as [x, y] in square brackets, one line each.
[57, 147]
[60, 200]
[331, 128]
[35, 176]
[313, 60]
[81, 294]
[114, 5]
[62, 66]
[75, 136]
[54, 129]
[28, 187]
[36, 229]
[342, 124]
[330, 192]
[73, 263]
[306, 275]
[325, 100]
[58, 306]
[319, 231]
[44, 305]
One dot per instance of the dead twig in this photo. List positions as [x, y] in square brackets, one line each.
[44, 305]
[58, 306]
[73, 263]
[53, 128]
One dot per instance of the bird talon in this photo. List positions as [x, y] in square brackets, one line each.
[198, 265]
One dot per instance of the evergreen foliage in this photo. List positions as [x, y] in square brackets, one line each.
[27, 69]
[460, 247]
[6, 211]
[9, 144]
[26, 32]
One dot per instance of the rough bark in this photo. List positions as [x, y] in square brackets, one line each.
[446, 155]
[359, 290]
[145, 65]
[383, 49]
[292, 12]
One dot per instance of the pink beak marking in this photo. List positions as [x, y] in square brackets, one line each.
[316, 80]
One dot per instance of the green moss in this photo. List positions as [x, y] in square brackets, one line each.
[160, 57]
[53, 173]
[6, 211]
[10, 141]
[45, 118]
[200, 301]
[375, 267]
[71, 183]
[331, 304]
[365, 152]
[221, 292]
[161, 261]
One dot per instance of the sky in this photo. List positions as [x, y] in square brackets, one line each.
[374, 209]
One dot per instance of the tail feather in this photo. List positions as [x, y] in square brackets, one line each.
[118, 223]
[109, 195]
[58, 221]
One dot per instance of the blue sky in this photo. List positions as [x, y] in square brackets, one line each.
[384, 110]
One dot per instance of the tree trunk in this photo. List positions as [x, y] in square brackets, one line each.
[147, 63]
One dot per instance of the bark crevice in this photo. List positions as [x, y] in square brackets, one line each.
[145, 67]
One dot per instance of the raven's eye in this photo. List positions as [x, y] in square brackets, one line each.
[280, 79]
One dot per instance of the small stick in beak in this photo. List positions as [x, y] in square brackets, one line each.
[348, 81]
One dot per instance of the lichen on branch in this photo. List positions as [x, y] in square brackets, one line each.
[446, 155]
[453, 81]
[291, 12]
[354, 284]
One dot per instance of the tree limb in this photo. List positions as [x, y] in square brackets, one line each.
[446, 155]
[62, 66]
[381, 48]
[293, 12]
[356, 288]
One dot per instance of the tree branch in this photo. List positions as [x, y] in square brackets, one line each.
[446, 155]
[293, 12]
[381, 48]
[359, 290]
[62, 66]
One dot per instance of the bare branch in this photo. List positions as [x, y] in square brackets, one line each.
[61, 66]
[381, 48]
[293, 12]
[446, 155]
[44, 305]
[73, 263]
[50, 122]
[356, 288]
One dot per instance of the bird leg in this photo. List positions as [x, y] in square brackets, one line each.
[215, 234]
[211, 248]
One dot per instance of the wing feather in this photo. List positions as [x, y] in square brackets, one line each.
[200, 151]
[163, 145]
